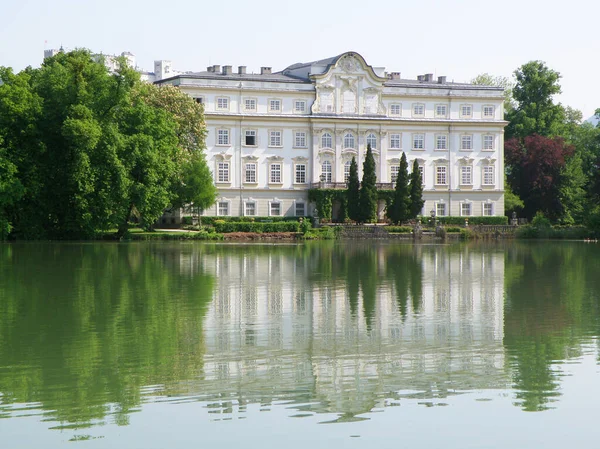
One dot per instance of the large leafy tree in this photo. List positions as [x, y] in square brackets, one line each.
[400, 207]
[416, 191]
[368, 189]
[353, 193]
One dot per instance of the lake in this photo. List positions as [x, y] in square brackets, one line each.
[324, 344]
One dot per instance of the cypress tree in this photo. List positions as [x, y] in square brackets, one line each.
[368, 189]
[401, 204]
[416, 191]
[352, 195]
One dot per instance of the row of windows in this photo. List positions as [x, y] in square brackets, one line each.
[466, 209]
[251, 104]
[250, 138]
[250, 207]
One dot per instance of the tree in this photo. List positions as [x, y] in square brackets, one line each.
[353, 192]
[368, 190]
[485, 79]
[512, 203]
[400, 207]
[416, 191]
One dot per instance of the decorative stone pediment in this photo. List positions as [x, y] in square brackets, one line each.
[275, 158]
[441, 160]
[465, 160]
[394, 160]
[488, 160]
[300, 159]
[223, 156]
[250, 158]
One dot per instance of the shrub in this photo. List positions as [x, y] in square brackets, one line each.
[466, 234]
[454, 229]
[399, 229]
[539, 221]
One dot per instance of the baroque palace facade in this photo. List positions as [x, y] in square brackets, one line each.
[273, 136]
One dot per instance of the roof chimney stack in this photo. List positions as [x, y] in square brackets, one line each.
[441, 80]
[428, 77]
[395, 75]
[227, 70]
[265, 70]
[216, 68]
[420, 77]
[241, 70]
[209, 68]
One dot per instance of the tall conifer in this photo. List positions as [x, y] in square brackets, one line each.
[416, 191]
[368, 189]
[401, 203]
[353, 193]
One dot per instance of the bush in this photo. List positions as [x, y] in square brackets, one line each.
[399, 229]
[186, 221]
[454, 229]
[466, 234]
[282, 226]
[539, 221]
[323, 233]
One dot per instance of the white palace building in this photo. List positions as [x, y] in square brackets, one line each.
[273, 136]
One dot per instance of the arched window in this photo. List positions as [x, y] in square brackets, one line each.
[326, 141]
[326, 171]
[372, 140]
[347, 171]
[349, 141]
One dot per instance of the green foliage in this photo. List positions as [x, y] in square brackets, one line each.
[283, 226]
[399, 210]
[323, 233]
[465, 233]
[353, 192]
[512, 203]
[416, 191]
[368, 190]
[305, 226]
[540, 221]
[399, 229]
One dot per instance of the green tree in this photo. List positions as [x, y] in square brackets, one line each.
[353, 192]
[368, 190]
[416, 191]
[400, 207]
[512, 202]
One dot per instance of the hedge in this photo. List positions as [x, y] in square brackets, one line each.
[486, 220]
[211, 220]
[399, 229]
[282, 226]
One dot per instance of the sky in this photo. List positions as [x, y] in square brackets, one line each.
[459, 39]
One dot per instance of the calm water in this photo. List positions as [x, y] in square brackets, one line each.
[160, 345]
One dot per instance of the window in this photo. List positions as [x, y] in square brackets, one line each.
[222, 137]
[275, 138]
[488, 111]
[250, 209]
[372, 140]
[418, 141]
[275, 175]
[222, 171]
[488, 175]
[441, 110]
[440, 209]
[466, 111]
[300, 174]
[223, 208]
[488, 142]
[418, 110]
[250, 138]
[349, 102]
[441, 142]
[466, 142]
[199, 100]
[300, 139]
[300, 210]
[440, 175]
[422, 173]
[488, 209]
[466, 175]
[299, 106]
[349, 141]
[394, 169]
[222, 104]
[275, 209]
[326, 171]
[250, 104]
[326, 101]
[347, 171]
[395, 109]
[250, 173]
[395, 141]
[274, 105]
[326, 141]
[465, 209]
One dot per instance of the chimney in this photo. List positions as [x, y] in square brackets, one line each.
[420, 77]
[241, 70]
[216, 68]
[441, 80]
[428, 77]
[395, 75]
[209, 68]
[227, 70]
[265, 70]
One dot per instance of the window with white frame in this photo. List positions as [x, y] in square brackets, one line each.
[275, 209]
[440, 209]
[300, 209]
[275, 173]
[466, 142]
[466, 110]
[299, 106]
[422, 173]
[396, 109]
[326, 171]
[250, 209]
[488, 111]
[488, 175]
[222, 103]
[326, 141]
[275, 139]
[395, 141]
[488, 142]
[326, 98]
[418, 109]
[250, 104]
[222, 137]
[274, 105]
[488, 209]
[372, 140]
[347, 171]
[441, 175]
[441, 142]
[394, 170]
[250, 172]
[300, 177]
[223, 209]
[300, 139]
[250, 138]
[441, 110]
[222, 171]
[465, 209]
[418, 141]
[349, 140]
[466, 175]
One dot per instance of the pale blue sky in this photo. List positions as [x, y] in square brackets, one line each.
[459, 39]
